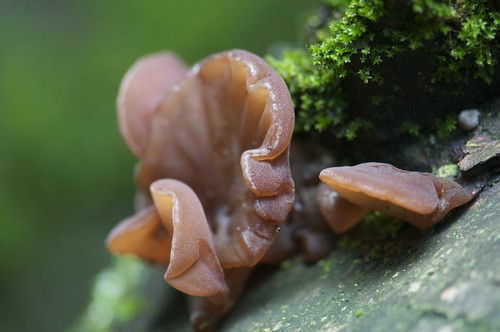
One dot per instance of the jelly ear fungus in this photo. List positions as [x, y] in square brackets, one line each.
[213, 175]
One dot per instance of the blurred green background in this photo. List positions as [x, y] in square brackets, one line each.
[65, 173]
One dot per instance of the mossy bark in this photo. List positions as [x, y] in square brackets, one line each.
[447, 277]
[386, 275]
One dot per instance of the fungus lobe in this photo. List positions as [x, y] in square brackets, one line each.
[141, 91]
[421, 199]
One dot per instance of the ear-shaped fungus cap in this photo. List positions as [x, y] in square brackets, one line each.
[143, 235]
[141, 91]
[340, 214]
[421, 199]
[225, 131]
[175, 233]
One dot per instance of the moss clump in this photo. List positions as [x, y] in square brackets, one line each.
[373, 30]
[400, 66]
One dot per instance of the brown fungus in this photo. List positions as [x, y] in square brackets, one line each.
[222, 130]
[162, 235]
[421, 199]
[141, 91]
[339, 214]
[305, 231]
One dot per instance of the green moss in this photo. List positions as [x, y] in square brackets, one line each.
[347, 37]
[370, 31]
[316, 93]
[391, 64]
[375, 238]
[326, 267]
[450, 170]
[412, 129]
[376, 251]
[116, 297]
[358, 313]
[446, 126]
[348, 242]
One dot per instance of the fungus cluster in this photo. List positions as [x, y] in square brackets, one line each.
[215, 185]
[214, 182]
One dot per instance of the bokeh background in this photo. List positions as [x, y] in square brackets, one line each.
[65, 174]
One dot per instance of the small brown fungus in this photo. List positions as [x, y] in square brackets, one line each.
[421, 199]
[213, 176]
[305, 231]
[162, 235]
[141, 91]
[312, 238]
[339, 214]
